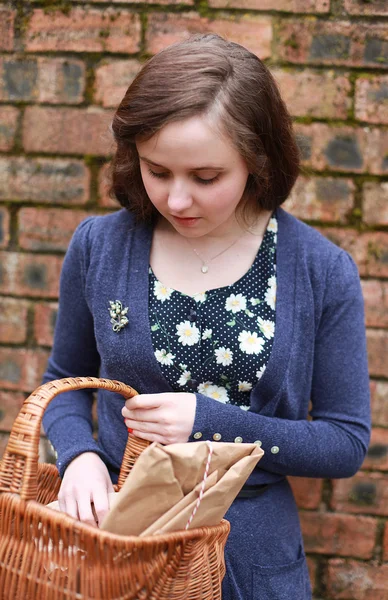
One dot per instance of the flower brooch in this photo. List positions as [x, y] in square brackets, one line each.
[117, 313]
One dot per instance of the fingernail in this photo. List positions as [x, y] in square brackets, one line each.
[130, 430]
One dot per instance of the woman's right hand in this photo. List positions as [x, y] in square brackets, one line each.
[86, 480]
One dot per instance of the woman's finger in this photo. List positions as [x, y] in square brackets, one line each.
[101, 506]
[144, 401]
[85, 511]
[150, 437]
[146, 427]
[68, 505]
[140, 414]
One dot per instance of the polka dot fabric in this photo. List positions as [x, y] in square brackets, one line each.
[218, 342]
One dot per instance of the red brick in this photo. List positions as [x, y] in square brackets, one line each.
[367, 8]
[163, 2]
[377, 457]
[43, 180]
[10, 403]
[376, 302]
[345, 148]
[83, 30]
[112, 81]
[291, 6]
[103, 189]
[371, 99]
[307, 491]
[8, 124]
[13, 320]
[29, 275]
[322, 199]
[312, 567]
[325, 95]
[67, 130]
[4, 227]
[375, 203]
[44, 322]
[342, 535]
[47, 228]
[351, 580]
[22, 369]
[50, 80]
[314, 41]
[377, 340]
[365, 493]
[253, 32]
[369, 250]
[379, 403]
[7, 19]
[385, 543]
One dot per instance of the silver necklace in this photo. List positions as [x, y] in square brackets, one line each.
[205, 264]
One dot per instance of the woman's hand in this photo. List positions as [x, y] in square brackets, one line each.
[166, 418]
[86, 480]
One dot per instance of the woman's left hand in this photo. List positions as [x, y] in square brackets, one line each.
[166, 418]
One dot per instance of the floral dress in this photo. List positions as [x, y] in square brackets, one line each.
[218, 342]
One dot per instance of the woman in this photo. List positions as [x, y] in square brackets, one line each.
[227, 314]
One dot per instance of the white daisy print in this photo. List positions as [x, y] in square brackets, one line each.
[184, 378]
[250, 343]
[182, 366]
[203, 387]
[207, 334]
[244, 386]
[224, 356]
[188, 333]
[200, 297]
[235, 303]
[162, 292]
[272, 281]
[270, 297]
[245, 407]
[260, 372]
[164, 357]
[218, 393]
[267, 328]
[272, 225]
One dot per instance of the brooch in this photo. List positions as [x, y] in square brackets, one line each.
[117, 313]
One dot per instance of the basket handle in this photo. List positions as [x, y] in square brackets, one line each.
[19, 465]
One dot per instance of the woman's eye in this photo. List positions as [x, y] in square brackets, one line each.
[158, 175]
[207, 181]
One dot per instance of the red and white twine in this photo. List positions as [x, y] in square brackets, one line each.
[201, 493]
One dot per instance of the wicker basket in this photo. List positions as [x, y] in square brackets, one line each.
[48, 555]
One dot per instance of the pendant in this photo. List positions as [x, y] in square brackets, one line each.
[204, 269]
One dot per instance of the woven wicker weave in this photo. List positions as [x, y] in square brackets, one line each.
[48, 555]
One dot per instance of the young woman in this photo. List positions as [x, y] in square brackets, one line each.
[225, 313]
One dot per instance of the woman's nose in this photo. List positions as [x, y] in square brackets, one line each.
[179, 198]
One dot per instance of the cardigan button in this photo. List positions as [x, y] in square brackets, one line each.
[275, 449]
[197, 436]
[238, 440]
[258, 443]
[217, 437]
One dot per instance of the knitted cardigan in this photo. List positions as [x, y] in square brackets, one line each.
[318, 361]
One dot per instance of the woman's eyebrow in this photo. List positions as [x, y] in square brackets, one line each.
[206, 168]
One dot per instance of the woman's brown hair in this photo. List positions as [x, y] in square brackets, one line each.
[207, 75]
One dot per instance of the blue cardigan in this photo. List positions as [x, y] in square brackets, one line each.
[319, 354]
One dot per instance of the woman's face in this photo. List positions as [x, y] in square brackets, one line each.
[193, 176]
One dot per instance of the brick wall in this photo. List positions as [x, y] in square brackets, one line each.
[64, 65]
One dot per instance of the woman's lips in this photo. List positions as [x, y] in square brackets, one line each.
[186, 221]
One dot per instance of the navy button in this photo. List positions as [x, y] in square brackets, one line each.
[193, 384]
[193, 315]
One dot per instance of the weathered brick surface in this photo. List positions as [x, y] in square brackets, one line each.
[83, 30]
[307, 491]
[44, 322]
[10, 405]
[8, 124]
[356, 149]
[364, 7]
[377, 340]
[47, 228]
[30, 275]
[379, 403]
[43, 180]
[322, 199]
[310, 93]
[253, 32]
[4, 227]
[312, 567]
[339, 534]
[376, 302]
[3, 442]
[292, 6]
[112, 81]
[377, 457]
[385, 543]
[351, 580]
[67, 130]
[13, 320]
[331, 43]
[103, 189]
[50, 80]
[365, 493]
[375, 203]
[371, 99]
[7, 20]
[22, 369]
